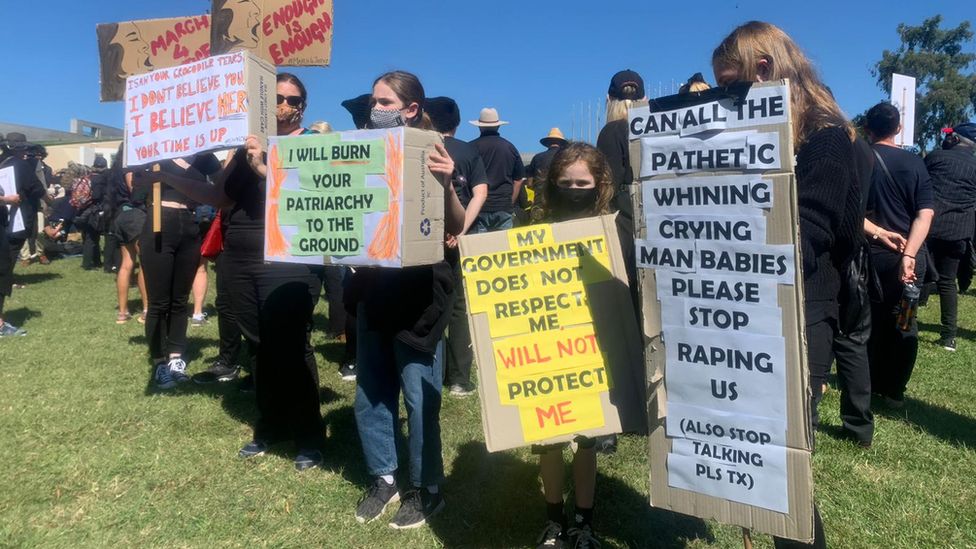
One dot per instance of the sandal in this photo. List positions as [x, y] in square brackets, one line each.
[122, 318]
[142, 317]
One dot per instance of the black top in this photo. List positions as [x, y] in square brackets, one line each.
[503, 166]
[203, 165]
[125, 197]
[830, 217]
[614, 143]
[63, 211]
[30, 189]
[540, 162]
[953, 173]
[468, 163]
[894, 203]
[245, 224]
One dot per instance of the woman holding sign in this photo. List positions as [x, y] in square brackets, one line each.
[828, 195]
[579, 184]
[401, 316]
[273, 302]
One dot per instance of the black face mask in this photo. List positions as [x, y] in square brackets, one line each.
[573, 202]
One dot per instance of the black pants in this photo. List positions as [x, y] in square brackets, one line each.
[91, 253]
[947, 255]
[227, 326]
[459, 353]
[6, 268]
[169, 263]
[333, 294]
[274, 304]
[891, 351]
[820, 355]
[854, 379]
[111, 254]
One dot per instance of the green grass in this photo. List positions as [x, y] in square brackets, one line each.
[92, 458]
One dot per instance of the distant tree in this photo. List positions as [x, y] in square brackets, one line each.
[944, 75]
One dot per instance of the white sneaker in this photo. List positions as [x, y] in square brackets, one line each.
[177, 370]
[162, 377]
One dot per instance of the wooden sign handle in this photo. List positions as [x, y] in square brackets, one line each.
[157, 192]
[746, 538]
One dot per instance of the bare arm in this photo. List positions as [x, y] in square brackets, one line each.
[516, 188]
[199, 191]
[890, 239]
[916, 237]
[480, 195]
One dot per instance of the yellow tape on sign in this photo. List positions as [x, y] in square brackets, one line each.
[554, 385]
[561, 417]
[533, 235]
[544, 351]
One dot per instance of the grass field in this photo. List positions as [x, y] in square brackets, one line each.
[92, 457]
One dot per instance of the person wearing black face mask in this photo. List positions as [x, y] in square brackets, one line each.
[578, 184]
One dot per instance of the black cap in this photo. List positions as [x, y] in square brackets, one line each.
[967, 130]
[358, 107]
[625, 78]
[99, 162]
[443, 113]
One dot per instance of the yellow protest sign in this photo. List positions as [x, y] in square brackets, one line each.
[546, 420]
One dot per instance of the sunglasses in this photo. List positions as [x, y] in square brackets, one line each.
[295, 101]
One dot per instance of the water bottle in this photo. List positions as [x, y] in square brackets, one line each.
[908, 307]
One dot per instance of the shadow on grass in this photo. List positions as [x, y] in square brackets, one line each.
[332, 351]
[495, 500]
[18, 317]
[961, 333]
[33, 278]
[939, 422]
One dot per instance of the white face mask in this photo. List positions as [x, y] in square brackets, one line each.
[382, 118]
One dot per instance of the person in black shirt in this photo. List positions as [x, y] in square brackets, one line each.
[626, 87]
[505, 173]
[127, 225]
[536, 172]
[29, 187]
[953, 172]
[7, 203]
[401, 315]
[471, 186]
[273, 302]
[900, 201]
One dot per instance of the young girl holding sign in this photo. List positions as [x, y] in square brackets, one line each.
[401, 316]
[828, 194]
[578, 184]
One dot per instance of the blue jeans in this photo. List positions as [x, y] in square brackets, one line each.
[488, 222]
[387, 366]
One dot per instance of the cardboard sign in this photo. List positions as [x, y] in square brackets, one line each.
[202, 106]
[554, 332]
[363, 197]
[137, 47]
[723, 315]
[903, 97]
[8, 187]
[293, 33]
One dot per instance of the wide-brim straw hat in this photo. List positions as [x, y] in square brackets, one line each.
[488, 119]
[555, 137]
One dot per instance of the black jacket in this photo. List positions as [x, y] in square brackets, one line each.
[953, 174]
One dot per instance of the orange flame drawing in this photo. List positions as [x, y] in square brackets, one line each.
[386, 239]
[277, 244]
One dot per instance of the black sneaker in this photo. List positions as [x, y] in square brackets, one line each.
[417, 506]
[551, 536]
[948, 343]
[375, 500]
[581, 537]
[219, 371]
[307, 459]
[606, 444]
[348, 371]
[253, 449]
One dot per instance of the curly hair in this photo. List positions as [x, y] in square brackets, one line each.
[595, 162]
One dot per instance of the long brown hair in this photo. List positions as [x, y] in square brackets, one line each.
[408, 89]
[595, 162]
[813, 106]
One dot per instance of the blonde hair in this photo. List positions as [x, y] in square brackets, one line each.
[321, 127]
[813, 106]
[617, 108]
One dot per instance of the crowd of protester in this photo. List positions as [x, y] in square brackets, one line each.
[877, 223]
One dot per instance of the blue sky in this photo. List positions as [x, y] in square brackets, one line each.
[535, 61]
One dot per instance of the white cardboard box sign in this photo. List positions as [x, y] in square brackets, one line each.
[359, 198]
[207, 105]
